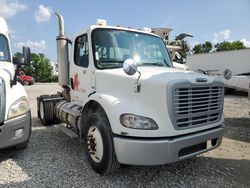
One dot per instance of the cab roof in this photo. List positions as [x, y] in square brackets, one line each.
[123, 28]
[92, 27]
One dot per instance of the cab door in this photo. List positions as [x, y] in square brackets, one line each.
[80, 74]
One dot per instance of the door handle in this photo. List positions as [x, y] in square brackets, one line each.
[72, 83]
[84, 71]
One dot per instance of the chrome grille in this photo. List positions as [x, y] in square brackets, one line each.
[197, 105]
[2, 100]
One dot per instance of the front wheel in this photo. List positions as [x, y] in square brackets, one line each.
[98, 143]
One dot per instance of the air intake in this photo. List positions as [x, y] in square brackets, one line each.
[196, 105]
[62, 53]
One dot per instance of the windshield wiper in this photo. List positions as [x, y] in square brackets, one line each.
[111, 61]
[160, 64]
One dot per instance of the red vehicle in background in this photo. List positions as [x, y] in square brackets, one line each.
[24, 79]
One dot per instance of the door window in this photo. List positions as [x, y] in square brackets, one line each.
[82, 51]
[4, 49]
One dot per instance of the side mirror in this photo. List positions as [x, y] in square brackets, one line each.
[227, 74]
[18, 61]
[130, 67]
[26, 55]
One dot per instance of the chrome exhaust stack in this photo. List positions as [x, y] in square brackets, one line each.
[62, 53]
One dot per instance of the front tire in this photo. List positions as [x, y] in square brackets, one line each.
[98, 143]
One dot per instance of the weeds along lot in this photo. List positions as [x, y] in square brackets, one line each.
[54, 160]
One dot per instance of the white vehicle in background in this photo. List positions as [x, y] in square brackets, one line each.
[233, 67]
[174, 46]
[127, 104]
[15, 117]
[180, 66]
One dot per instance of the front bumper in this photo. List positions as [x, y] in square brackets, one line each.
[155, 151]
[8, 131]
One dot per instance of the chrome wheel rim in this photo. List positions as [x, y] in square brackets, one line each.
[95, 144]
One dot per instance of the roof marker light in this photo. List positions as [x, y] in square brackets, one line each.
[101, 22]
[146, 29]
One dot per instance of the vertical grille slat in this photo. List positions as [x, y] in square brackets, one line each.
[195, 105]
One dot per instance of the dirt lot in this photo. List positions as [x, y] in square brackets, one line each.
[54, 160]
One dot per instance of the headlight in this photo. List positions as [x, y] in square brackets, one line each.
[18, 108]
[137, 122]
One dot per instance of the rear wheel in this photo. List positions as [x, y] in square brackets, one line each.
[98, 143]
[46, 110]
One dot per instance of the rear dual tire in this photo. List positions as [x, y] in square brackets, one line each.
[45, 110]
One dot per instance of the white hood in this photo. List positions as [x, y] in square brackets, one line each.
[158, 75]
[151, 101]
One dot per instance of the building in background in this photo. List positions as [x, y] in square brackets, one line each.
[54, 67]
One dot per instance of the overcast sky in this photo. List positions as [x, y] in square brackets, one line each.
[33, 23]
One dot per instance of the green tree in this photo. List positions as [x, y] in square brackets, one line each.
[202, 48]
[197, 49]
[40, 67]
[226, 45]
[207, 47]
[43, 69]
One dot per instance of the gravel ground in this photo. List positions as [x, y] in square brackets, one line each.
[54, 160]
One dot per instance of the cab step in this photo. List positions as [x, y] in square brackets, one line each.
[67, 131]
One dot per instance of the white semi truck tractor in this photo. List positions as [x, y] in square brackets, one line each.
[15, 117]
[127, 104]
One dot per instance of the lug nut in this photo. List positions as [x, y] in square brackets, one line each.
[90, 136]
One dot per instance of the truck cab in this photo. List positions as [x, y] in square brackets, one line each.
[15, 117]
[127, 103]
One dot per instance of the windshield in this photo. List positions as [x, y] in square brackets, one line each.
[4, 49]
[111, 47]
